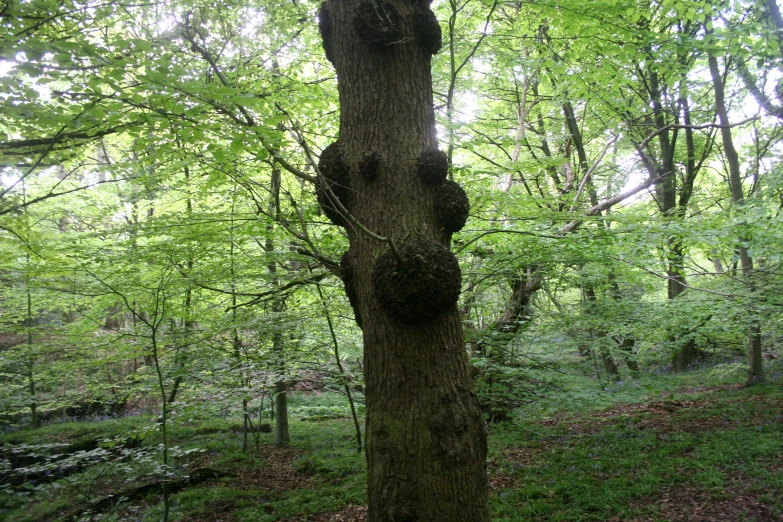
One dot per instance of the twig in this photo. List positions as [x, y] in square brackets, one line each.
[501, 231]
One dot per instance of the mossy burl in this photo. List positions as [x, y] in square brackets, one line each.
[378, 24]
[428, 30]
[346, 274]
[451, 206]
[370, 165]
[337, 176]
[432, 166]
[325, 27]
[423, 284]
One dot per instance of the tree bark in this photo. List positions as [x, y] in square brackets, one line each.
[519, 309]
[686, 353]
[494, 400]
[282, 437]
[31, 359]
[425, 437]
[626, 345]
[625, 342]
[187, 322]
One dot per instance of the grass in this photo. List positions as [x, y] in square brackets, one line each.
[629, 452]
[584, 467]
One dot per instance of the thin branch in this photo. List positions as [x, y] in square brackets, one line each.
[610, 203]
[501, 231]
[589, 173]
[59, 137]
[665, 128]
[477, 44]
[55, 194]
[35, 165]
[255, 295]
[249, 121]
[668, 278]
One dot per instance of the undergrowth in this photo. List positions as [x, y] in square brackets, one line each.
[588, 451]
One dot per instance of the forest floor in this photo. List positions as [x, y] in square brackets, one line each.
[683, 453]
[704, 454]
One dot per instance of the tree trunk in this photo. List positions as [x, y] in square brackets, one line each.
[425, 437]
[31, 358]
[34, 422]
[188, 322]
[687, 353]
[612, 371]
[282, 436]
[685, 356]
[627, 345]
[624, 342]
[519, 309]
[494, 400]
[777, 19]
[755, 362]
[671, 208]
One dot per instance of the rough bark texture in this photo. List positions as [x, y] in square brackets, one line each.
[666, 191]
[425, 438]
[687, 353]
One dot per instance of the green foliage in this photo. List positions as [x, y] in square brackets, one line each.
[601, 456]
[581, 465]
[152, 172]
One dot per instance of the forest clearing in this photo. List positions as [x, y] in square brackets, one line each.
[391, 260]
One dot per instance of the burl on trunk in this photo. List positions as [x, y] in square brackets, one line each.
[426, 440]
